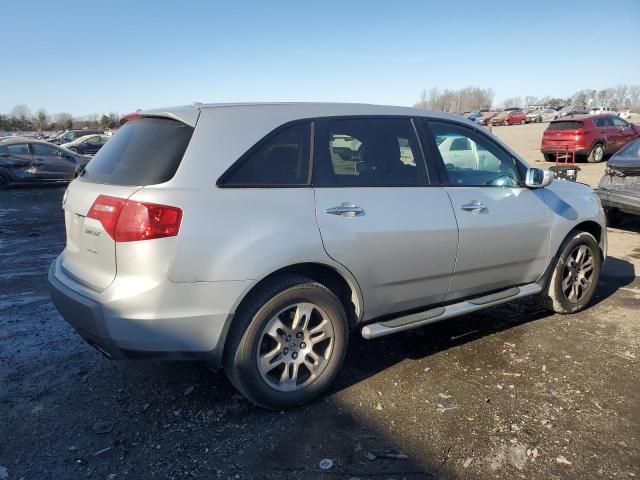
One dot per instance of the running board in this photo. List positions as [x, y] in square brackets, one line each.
[407, 322]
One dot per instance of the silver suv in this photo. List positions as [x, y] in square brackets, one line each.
[257, 237]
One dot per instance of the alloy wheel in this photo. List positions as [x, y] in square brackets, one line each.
[295, 347]
[598, 154]
[577, 276]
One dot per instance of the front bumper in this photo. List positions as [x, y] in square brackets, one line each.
[169, 320]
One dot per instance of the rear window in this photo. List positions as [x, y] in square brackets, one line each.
[145, 151]
[565, 125]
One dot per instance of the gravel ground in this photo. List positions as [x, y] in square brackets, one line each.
[511, 392]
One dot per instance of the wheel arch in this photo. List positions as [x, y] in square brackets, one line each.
[339, 282]
[588, 226]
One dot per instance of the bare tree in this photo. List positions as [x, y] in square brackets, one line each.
[517, 102]
[21, 113]
[63, 120]
[468, 99]
[41, 119]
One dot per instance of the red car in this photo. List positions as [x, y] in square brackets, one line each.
[509, 117]
[590, 136]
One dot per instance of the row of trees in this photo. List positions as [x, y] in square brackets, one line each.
[20, 118]
[472, 99]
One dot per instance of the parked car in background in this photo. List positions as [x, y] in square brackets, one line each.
[87, 145]
[569, 110]
[589, 136]
[626, 115]
[25, 161]
[541, 115]
[70, 135]
[509, 117]
[243, 254]
[619, 188]
[473, 116]
[603, 110]
[486, 117]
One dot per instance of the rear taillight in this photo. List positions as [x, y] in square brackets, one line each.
[106, 210]
[130, 221]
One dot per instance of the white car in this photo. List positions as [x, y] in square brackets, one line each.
[601, 110]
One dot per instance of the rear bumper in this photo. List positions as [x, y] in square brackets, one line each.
[549, 149]
[174, 320]
[627, 202]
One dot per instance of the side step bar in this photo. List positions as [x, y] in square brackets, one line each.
[407, 322]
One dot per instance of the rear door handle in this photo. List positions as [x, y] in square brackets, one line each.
[473, 207]
[346, 210]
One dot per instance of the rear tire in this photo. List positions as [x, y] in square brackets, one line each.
[549, 157]
[597, 154]
[296, 366]
[575, 275]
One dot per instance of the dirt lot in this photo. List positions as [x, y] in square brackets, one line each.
[512, 392]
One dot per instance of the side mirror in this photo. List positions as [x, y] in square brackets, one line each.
[538, 177]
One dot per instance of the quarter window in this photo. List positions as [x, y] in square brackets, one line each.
[371, 152]
[280, 161]
[479, 163]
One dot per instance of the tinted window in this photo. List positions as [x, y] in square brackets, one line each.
[15, 149]
[283, 159]
[44, 150]
[145, 151]
[565, 125]
[371, 152]
[483, 163]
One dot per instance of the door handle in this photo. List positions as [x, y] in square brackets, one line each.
[473, 207]
[346, 210]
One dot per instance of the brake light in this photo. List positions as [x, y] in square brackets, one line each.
[130, 221]
[106, 210]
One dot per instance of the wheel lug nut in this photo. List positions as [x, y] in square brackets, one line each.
[303, 345]
[294, 355]
[288, 337]
[285, 351]
[299, 334]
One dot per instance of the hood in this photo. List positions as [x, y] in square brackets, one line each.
[626, 161]
[624, 166]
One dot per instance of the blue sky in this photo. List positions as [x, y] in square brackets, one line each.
[123, 55]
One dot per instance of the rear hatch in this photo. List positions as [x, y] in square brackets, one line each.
[145, 151]
[563, 134]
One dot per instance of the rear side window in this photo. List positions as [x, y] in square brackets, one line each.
[145, 151]
[370, 152]
[565, 125]
[15, 149]
[282, 159]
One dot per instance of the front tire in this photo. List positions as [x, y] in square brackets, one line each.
[597, 154]
[575, 275]
[287, 343]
